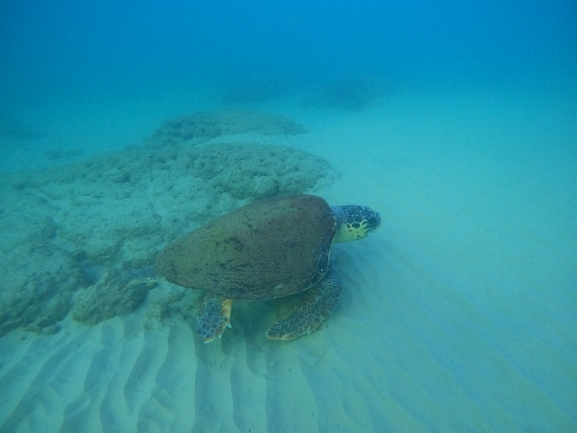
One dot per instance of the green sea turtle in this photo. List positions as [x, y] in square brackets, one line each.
[268, 249]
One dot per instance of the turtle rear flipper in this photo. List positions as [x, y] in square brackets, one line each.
[319, 302]
[214, 317]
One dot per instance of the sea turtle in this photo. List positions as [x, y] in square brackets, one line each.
[268, 249]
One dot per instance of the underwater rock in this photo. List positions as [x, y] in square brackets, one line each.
[200, 127]
[38, 283]
[105, 300]
[256, 171]
[347, 94]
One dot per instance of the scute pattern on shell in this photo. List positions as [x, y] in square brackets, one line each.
[268, 249]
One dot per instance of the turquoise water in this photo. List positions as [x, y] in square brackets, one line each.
[104, 52]
[123, 127]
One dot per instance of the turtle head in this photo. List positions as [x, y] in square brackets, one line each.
[355, 222]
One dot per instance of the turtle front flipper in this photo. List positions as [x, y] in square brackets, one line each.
[321, 300]
[214, 317]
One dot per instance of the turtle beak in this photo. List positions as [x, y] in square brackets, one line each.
[373, 221]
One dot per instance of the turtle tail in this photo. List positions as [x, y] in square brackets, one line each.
[139, 276]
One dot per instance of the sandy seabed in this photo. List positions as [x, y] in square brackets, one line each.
[457, 315]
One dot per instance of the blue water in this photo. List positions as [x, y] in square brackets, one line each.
[75, 50]
[455, 120]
